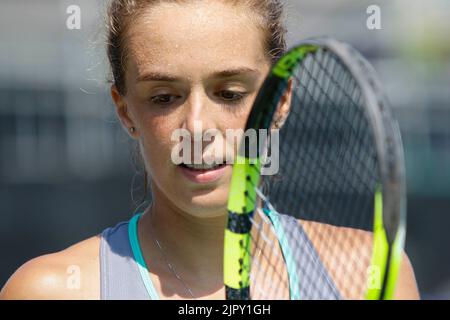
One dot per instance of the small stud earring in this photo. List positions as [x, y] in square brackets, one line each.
[132, 129]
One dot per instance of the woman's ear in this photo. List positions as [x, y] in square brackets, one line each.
[123, 113]
[287, 96]
[284, 106]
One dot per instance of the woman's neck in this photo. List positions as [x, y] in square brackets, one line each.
[193, 245]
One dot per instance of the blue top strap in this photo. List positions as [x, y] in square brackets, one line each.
[136, 248]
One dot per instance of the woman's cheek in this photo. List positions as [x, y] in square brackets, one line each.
[157, 148]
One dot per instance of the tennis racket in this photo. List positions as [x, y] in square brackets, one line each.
[330, 224]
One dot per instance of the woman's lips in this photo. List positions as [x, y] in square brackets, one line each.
[203, 176]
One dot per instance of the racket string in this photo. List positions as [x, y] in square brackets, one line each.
[331, 166]
[340, 171]
[307, 281]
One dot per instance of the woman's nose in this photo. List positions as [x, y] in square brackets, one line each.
[199, 119]
[199, 115]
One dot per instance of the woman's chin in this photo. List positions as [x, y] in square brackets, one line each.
[208, 204]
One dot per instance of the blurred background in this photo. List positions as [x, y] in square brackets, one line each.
[66, 169]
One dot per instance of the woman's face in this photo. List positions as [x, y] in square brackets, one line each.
[193, 66]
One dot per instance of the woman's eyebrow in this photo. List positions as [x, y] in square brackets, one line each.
[235, 72]
[164, 77]
[158, 76]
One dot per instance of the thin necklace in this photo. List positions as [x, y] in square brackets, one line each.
[170, 265]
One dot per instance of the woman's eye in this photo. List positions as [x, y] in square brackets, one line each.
[231, 96]
[164, 99]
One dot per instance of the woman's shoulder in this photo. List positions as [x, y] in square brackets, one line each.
[72, 273]
[339, 236]
[341, 243]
